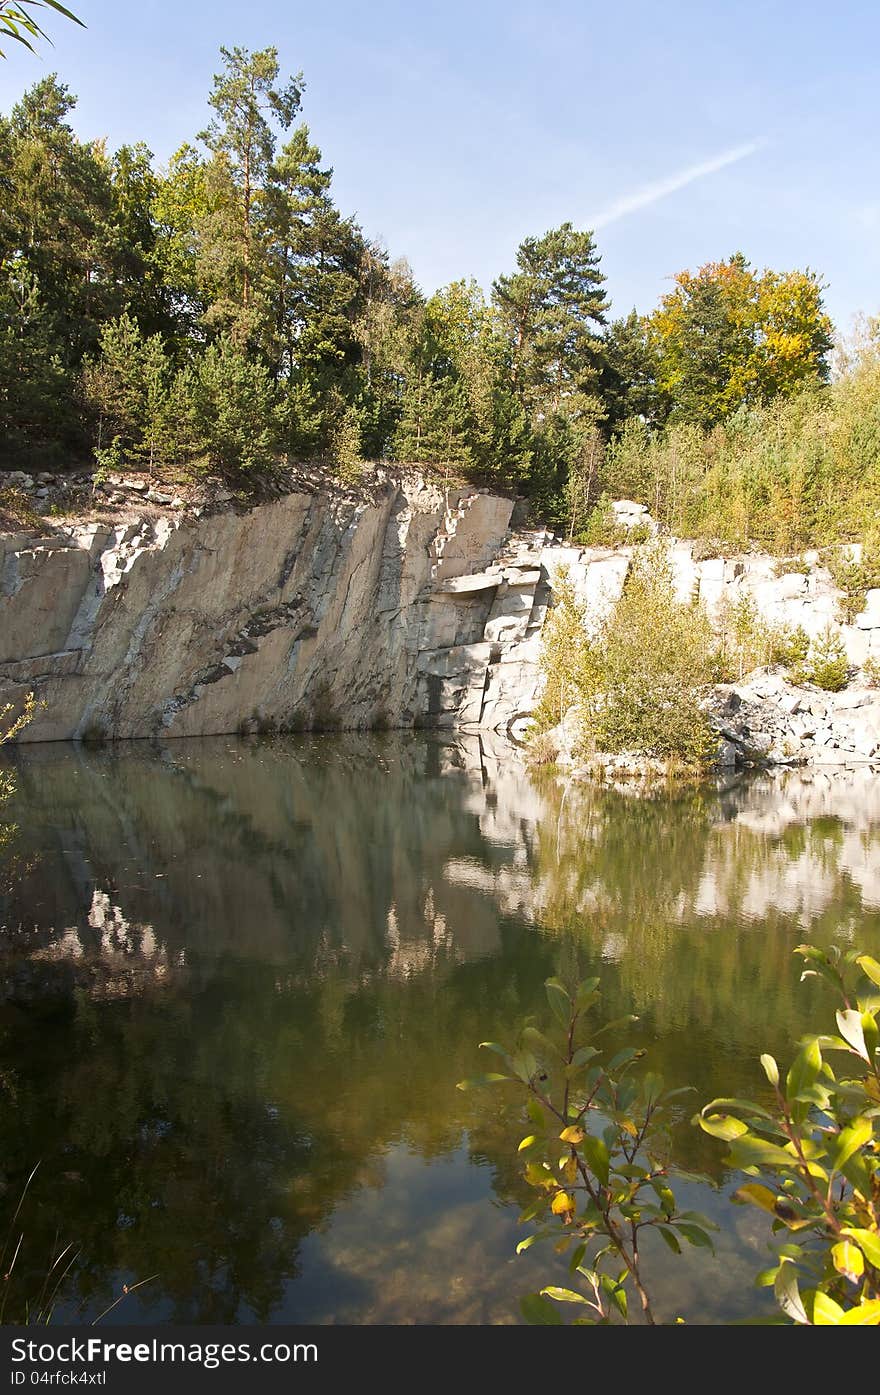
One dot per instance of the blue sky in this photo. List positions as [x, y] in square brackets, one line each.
[681, 131]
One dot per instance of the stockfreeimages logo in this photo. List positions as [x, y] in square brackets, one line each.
[92, 1351]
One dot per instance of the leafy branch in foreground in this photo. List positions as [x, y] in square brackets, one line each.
[17, 21]
[598, 1157]
[816, 1152]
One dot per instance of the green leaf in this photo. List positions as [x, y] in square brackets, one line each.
[559, 1000]
[541, 1043]
[586, 994]
[771, 1069]
[849, 1141]
[494, 1046]
[804, 1070]
[615, 1291]
[694, 1234]
[821, 965]
[583, 1055]
[671, 1239]
[595, 1151]
[732, 1105]
[870, 967]
[849, 1023]
[536, 1114]
[577, 1258]
[751, 1151]
[527, 1243]
[539, 1311]
[615, 1023]
[625, 1057]
[563, 1295]
[787, 1294]
[527, 1142]
[723, 1126]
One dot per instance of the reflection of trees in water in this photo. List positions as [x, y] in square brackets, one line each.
[243, 971]
[202, 1133]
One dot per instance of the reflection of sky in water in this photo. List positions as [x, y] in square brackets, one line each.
[242, 980]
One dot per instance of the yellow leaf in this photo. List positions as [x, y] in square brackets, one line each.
[562, 1204]
[572, 1134]
[826, 1313]
[867, 1314]
[757, 1195]
[848, 1260]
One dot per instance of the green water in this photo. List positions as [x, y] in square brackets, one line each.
[241, 980]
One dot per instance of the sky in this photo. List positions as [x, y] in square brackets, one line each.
[680, 132]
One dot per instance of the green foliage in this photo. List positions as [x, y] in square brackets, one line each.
[713, 411]
[727, 337]
[746, 641]
[563, 652]
[812, 1154]
[854, 577]
[10, 726]
[125, 385]
[597, 1155]
[233, 410]
[871, 672]
[636, 677]
[800, 469]
[18, 21]
[826, 663]
[651, 658]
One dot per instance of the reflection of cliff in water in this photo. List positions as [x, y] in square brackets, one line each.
[371, 850]
[242, 979]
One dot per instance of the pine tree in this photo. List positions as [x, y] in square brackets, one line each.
[553, 308]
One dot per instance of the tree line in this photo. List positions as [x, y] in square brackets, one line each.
[223, 314]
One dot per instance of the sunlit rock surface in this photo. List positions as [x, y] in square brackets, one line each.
[402, 604]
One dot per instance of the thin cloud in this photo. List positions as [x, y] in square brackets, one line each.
[661, 188]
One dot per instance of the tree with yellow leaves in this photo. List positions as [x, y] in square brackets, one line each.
[728, 336]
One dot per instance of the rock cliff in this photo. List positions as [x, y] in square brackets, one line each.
[401, 604]
[318, 608]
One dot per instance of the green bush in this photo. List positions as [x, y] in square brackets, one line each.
[637, 678]
[234, 410]
[826, 663]
[598, 1155]
[812, 1158]
[563, 652]
[646, 668]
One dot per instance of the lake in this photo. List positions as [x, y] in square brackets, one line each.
[241, 979]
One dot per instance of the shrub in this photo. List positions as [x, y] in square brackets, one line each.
[826, 664]
[234, 410]
[871, 673]
[637, 680]
[746, 641]
[598, 1155]
[563, 649]
[813, 1158]
[646, 668]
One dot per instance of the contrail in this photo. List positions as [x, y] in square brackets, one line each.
[651, 193]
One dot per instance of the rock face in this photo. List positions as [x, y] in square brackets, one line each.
[315, 609]
[403, 605]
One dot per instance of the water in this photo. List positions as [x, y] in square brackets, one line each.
[241, 980]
